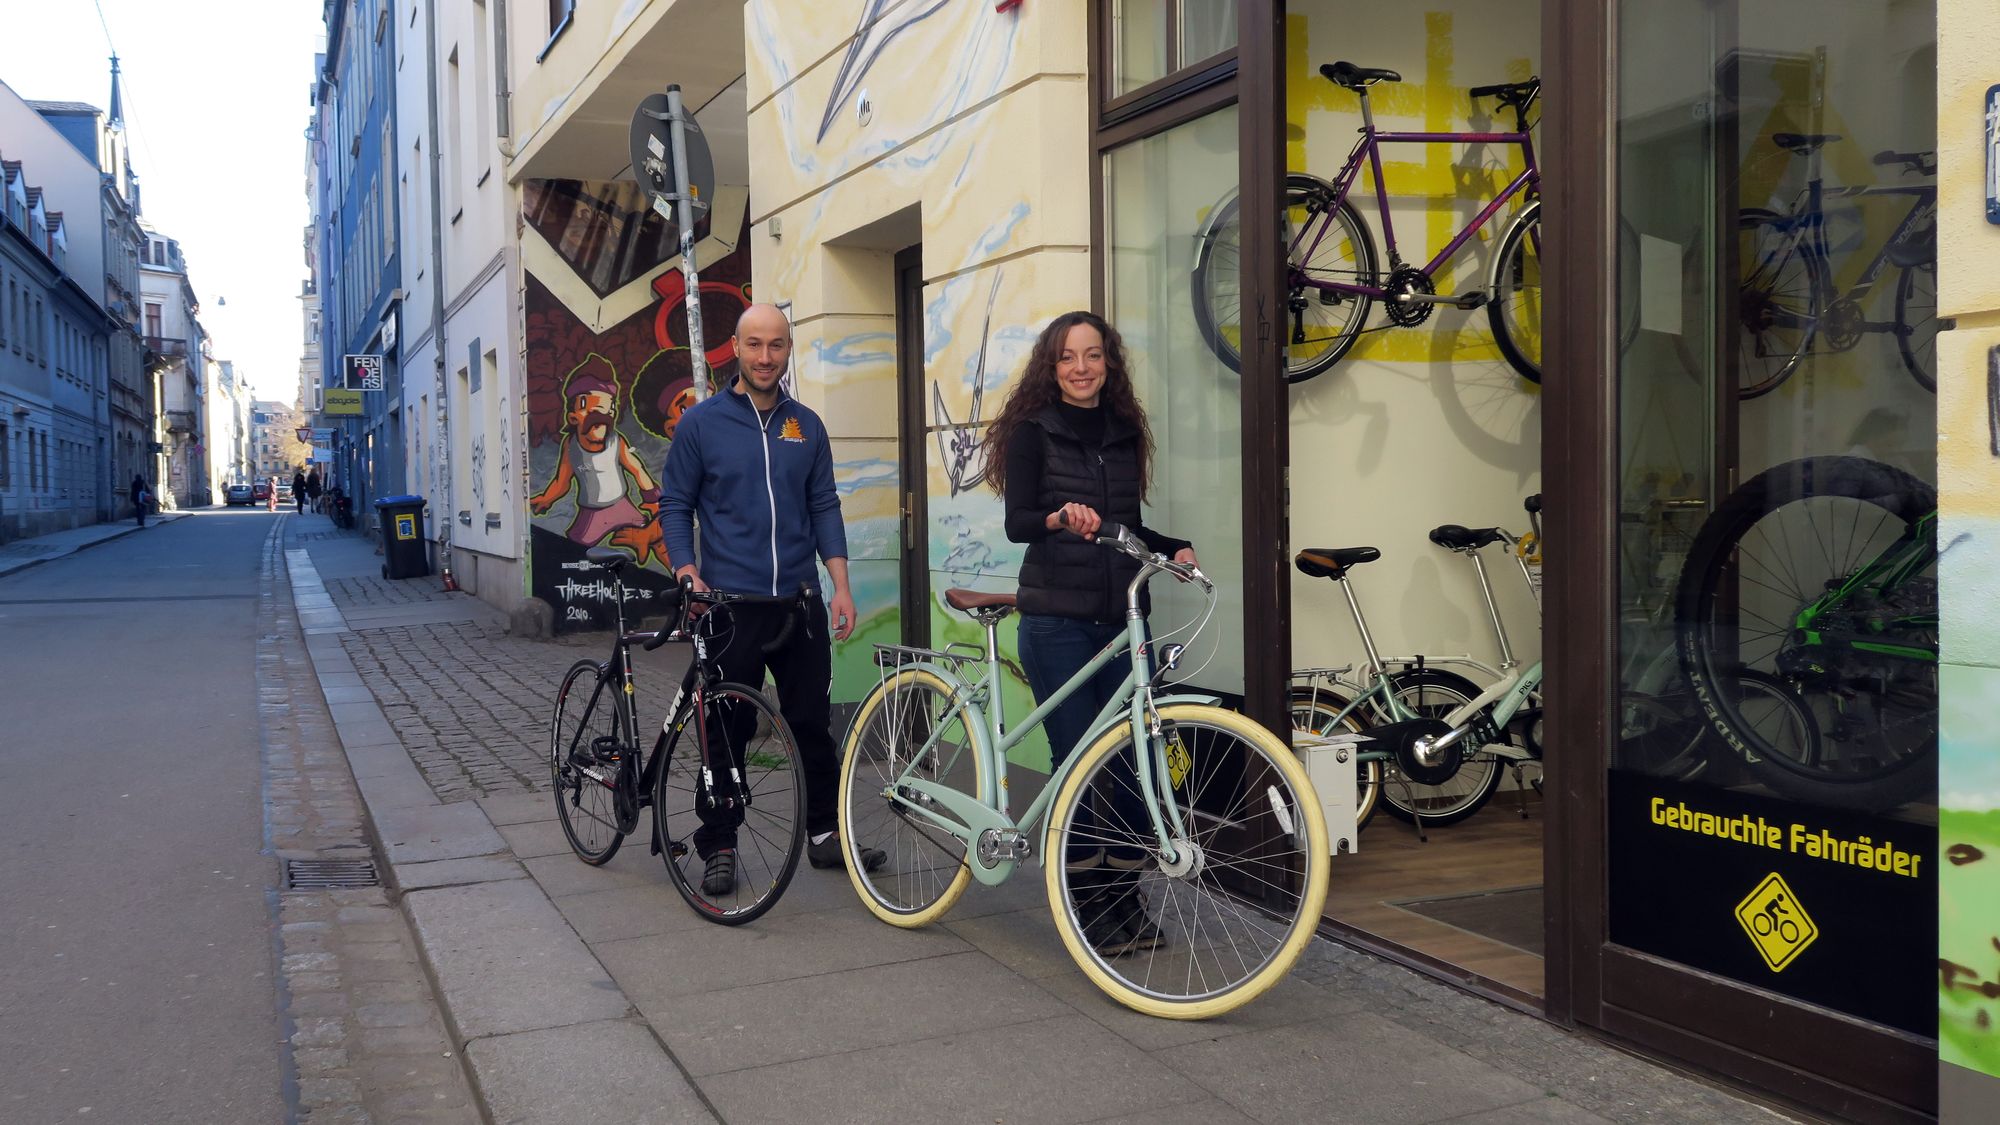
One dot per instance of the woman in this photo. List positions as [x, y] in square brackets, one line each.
[1070, 452]
[299, 489]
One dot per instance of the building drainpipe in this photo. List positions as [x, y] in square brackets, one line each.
[441, 392]
[502, 101]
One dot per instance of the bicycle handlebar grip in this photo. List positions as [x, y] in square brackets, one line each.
[677, 619]
[785, 633]
[1487, 91]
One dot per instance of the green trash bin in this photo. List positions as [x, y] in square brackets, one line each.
[404, 553]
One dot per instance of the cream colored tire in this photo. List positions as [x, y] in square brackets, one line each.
[922, 877]
[1200, 909]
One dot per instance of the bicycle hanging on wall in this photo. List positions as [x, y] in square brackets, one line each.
[1332, 275]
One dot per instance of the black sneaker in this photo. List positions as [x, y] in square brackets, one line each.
[1127, 906]
[827, 853]
[1098, 913]
[719, 878]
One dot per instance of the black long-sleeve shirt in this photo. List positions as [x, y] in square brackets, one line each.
[1027, 517]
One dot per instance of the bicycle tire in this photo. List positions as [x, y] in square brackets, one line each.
[1219, 250]
[1755, 301]
[1314, 710]
[592, 832]
[927, 869]
[1478, 776]
[1712, 653]
[1511, 270]
[772, 833]
[1203, 914]
[1917, 343]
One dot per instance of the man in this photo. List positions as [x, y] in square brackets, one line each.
[141, 496]
[757, 468]
[312, 487]
[299, 489]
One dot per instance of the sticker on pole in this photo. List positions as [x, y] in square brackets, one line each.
[1778, 926]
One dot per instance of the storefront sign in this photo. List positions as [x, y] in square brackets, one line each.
[340, 401]
[1833, 907]
[364, 372]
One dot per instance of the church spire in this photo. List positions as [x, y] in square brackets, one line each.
[117, 115]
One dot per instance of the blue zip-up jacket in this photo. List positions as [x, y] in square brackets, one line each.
[763, 487]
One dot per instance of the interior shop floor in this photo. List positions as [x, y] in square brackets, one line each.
[1462, 897]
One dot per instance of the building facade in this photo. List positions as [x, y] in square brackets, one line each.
[180, 355]
[226, 427]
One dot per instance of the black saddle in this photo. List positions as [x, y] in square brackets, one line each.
[1803, 143]
[607, 558]
[1355, 77]
[1464, 538]
[1333, 562]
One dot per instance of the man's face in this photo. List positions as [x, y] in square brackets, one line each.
[591, 416]
[761, 355]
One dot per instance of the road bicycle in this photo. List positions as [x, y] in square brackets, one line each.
[1234, 840]
[1821, 575]
[1332, 276]
[1788, 306]
[1399, 702]
[741, 762]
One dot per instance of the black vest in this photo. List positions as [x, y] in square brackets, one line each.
[1063, 576]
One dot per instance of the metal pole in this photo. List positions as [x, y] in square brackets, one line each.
[684, 218]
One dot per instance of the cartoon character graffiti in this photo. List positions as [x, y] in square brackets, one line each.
[596, 463]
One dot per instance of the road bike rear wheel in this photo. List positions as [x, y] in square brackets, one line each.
[1515, 307]
[769, 831]
[1431, 693]
[587, 722]
[1791, 538]
[1781, 290]
[1916, 323]
[1329, 243]
[907, 728]
[1245, 890]
[1316, 711]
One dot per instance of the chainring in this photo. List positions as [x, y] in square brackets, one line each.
[1843, 324]
[1407, 314]
[1400, 740]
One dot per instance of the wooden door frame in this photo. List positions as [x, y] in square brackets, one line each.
[912, 436]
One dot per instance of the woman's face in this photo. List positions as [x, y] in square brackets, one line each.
[1080, 366]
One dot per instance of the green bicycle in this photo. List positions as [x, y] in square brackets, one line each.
[1236, 847]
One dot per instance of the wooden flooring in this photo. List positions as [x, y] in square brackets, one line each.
[1495, 850]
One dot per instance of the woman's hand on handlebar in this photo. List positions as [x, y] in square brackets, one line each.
[1079, 518]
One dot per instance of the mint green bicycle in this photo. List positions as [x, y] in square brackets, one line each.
[1235, 841]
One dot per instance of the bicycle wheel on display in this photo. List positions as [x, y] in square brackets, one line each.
[587, 720]
[1769, 591]
[1326, 242]
[769, 831]
[1916, 323]
[1431, 693]
[908, 720]
[1780, 294]
[1515, 307]
[1315, 711]
[1246, 887]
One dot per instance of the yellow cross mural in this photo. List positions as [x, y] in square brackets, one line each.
[1778, 926]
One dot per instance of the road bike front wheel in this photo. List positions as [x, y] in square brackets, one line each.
[766, 832]
[1916, 322]
[1244, 891]
[587, 729]
[1318, 711]
[1515, 307]
[908, 728]
[1326, 241]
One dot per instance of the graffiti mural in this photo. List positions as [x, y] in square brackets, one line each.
[608, 375]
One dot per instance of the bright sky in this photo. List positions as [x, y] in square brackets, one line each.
[216, 102]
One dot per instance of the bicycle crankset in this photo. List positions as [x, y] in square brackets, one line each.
[1402, 739]
[1403, 284]
[1843, 324]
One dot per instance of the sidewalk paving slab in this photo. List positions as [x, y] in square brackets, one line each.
[613, 1066]
[420, 833]
[508, 962]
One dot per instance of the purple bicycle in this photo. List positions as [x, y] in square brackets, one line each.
[1331, 272]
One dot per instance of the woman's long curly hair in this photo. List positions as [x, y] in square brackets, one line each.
[1037, 388]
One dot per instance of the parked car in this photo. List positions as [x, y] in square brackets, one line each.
[239, 494]
[284, 493]
[260, 492]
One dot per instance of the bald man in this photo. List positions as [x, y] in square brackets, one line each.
[757, 469]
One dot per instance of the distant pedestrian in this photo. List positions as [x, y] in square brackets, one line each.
[141, 496]
[299, 490]
[312, 487]
[271, 494]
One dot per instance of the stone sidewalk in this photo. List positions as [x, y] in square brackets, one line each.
[20, 554]
[581, 993]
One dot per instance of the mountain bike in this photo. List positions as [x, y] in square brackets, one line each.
[1332, 276]
[1234, 874]
[1821, 574]
[740, 766]
[1788, 306]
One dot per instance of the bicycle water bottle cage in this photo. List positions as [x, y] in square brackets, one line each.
[1456, 538]
[1333, 562]
[1353, 77]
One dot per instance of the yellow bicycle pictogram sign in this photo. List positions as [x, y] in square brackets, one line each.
[1778, 926]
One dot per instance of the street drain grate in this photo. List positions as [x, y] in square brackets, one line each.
[329, 874]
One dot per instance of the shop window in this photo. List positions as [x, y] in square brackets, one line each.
[1158, 193]
[1773, 798]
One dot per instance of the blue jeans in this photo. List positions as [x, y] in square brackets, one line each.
[1052, 650]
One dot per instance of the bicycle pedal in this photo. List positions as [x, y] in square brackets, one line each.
[1471, 300]
[678, 849]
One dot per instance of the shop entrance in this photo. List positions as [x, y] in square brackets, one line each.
[911, 434]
